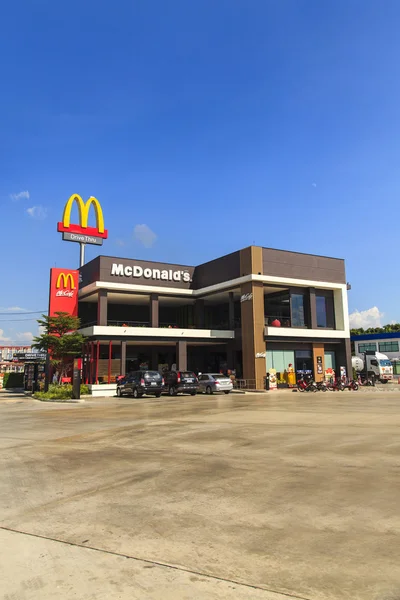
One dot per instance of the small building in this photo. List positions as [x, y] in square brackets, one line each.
[387, 343]
[252, 310]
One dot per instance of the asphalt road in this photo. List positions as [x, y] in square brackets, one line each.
[246, 497]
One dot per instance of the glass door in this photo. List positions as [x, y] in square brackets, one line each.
[304, 362]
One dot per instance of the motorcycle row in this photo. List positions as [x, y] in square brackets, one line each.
[307, 384]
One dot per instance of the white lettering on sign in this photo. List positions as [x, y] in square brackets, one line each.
[117, 269]
[136, 271]
[261, 354]
[245, 297]
[65, 293]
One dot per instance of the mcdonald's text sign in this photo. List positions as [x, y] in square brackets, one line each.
[63, 294]
[81, 232]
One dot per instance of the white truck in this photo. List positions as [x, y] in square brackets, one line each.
[373, 365]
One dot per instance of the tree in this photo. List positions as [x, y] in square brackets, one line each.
[389, 328]
[60, 339]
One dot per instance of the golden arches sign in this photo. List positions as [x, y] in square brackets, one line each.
[82, 232]
[65, 278]
[83, 210]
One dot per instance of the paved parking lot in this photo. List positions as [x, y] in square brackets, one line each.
[248, 497]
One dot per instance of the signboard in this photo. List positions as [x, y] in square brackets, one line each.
[319, 365]
[63, 293]
[82, 238]
[30, 356]
[136, 271]
[91, 235]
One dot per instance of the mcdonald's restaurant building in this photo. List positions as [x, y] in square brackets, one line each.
[250, 311]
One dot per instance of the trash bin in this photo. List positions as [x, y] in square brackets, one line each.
[267, 381]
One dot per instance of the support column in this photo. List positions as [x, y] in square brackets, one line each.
[199, 314]
[122, 368]
[230, 355]
[154, 318]
[102, 307]
[252, 313]
[154, 359]
[231, 309]
[312, 308]
[181, 356]
[347, 352]
[97, 362]
[319, 358]
[109, 360]
[92, 362]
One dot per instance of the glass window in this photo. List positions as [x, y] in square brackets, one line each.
[388, 346]
[322, 320]
[277, 308]
[385, 363]
[367, 346]
[297, 302]
[279, 359]
[330, 360]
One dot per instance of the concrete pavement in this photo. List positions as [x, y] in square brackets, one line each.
[253, 496]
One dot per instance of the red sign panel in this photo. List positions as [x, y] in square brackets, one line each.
[63, 296]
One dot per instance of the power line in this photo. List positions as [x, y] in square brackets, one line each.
[17, 312]
[17, 320]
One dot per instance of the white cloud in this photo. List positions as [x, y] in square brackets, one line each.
[120, 242]
[37, 212]
[366, 318]
[20, 196]
[13, 309]
[24, 336]
[144, 235]
[4, 338]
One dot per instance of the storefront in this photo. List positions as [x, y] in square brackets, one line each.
[250, 311]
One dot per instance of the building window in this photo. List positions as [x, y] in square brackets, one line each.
[330, 360]
[297, 305]
[280, 360]
[324, 309]
[321, 311]
[388, 346]
[366, 347]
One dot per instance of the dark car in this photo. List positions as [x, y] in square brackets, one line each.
[138, 383]
[177, 382]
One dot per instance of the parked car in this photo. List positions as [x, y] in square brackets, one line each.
[215, 382]
[138, 383]
[177, 382]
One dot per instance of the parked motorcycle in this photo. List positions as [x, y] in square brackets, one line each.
[352, 385]
[336, 385]
[305, 384]
[365, 380]
[321, 386]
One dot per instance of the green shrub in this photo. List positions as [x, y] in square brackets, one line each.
[13, 380]
[60, 392]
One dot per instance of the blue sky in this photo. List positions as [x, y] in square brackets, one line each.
[195, 118]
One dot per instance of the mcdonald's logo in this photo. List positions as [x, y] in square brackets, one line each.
[65, 278]
[83, 211]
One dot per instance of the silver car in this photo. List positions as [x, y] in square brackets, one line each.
[215, 382]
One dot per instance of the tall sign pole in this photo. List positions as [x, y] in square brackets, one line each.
[82, 233]
[81, 254]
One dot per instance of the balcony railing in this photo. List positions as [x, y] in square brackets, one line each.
[163, 325]
[277, 321]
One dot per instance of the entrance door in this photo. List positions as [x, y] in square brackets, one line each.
[304, 362]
